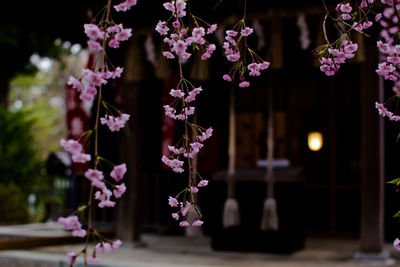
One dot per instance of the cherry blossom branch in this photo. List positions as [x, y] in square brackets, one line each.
[178, 40]
[237, 52]
[89, 85]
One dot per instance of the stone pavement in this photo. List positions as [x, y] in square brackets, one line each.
[179, 251]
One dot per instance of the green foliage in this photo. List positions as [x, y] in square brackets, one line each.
[395, 181]
[36, 92]
[16, 210]
[19, 162]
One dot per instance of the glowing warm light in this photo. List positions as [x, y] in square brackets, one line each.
[315, 141]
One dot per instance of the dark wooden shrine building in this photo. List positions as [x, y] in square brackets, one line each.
[338, 191]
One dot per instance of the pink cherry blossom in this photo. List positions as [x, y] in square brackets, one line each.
[81, 158]
[162, 28]
[346, 8]
[227, 78]
[93, 260]
[115, 123]
[98, 184]
[121, 7]
[212, 28]
[183, 224]
[93, 31]
[346, 17]
[115, 245]
[175, 216]
[197, 223]
[92, 174]
[395, 118]
[103, 195]
[70, 223]
[123, 35]
[113, 43]
[194, 189]
[176, 93]
[264, 65]
[75, 84]
[246, 31]
[168, 55]
[169, 6]
[79, 233]
[71, 146]
[95, 46]
[102, 247]
[231, 33]
[185, 208]
[119, 190]
[172, 202]
[71, 257]
[118, 172]
[86, 97]
[106, 203]
[176, 24]
[244, 84]
[203, 183]
[124, 6]
[383, 110]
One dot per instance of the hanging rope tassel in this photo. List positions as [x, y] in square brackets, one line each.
[269, 219]
[230, 214]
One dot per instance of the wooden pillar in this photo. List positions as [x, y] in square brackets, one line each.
[129, 212]
[372, 161]
[129, 219]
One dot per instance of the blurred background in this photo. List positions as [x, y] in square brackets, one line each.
[331, 152]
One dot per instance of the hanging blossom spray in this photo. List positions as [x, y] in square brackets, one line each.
[178, 39]
[360, 18]
[238, 52]
[103, 35]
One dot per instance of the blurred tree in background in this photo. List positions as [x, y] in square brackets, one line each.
[21, 170]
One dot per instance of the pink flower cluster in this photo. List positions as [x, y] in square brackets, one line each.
[100, 248]
[330, 63]
[173, 161]
[345, 9]
[389, 47]
[383, 111]
[102, 36]
[390, 66]
[184, 207]
[72, 223]
[232, 51]
[125, 5]
[187, 110]
[113, 34]
[115, 123]
[92, 80]
[389, 23]
[180, 39]
[233, 38]
[104, 194]
[76, 150]
[333, 54]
